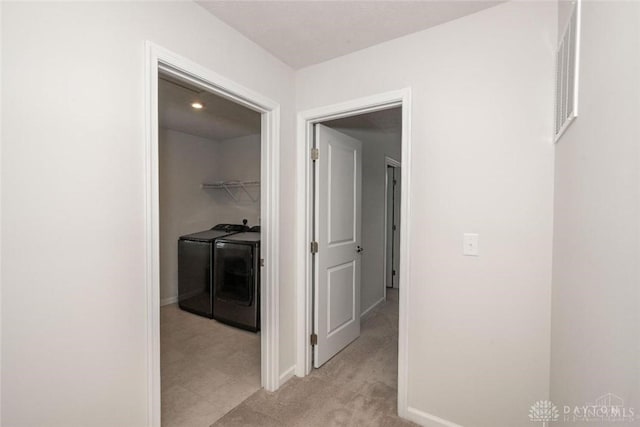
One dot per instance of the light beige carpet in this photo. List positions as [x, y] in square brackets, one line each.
[358, 387]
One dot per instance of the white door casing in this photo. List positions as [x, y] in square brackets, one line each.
[156, 59]
[388, 228]
[390, 211]
[338, 233]
[396, 233]
[305, 229]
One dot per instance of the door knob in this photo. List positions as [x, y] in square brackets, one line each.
[359, 249]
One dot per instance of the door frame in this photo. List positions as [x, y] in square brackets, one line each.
[158, 58]
[388, 161]
[304, 195]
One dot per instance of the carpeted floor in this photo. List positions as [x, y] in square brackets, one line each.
[358, 387]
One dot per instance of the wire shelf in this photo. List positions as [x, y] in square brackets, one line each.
[230, 185]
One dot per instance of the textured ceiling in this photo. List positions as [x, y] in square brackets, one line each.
[219, 120]
[307, 32]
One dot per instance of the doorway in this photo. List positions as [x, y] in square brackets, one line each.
[392, 223]
[339, 230]
[161, 61]
[209, 175]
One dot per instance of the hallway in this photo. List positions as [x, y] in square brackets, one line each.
[357, 387]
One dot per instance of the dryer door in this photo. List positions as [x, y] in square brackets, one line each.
[234, 281]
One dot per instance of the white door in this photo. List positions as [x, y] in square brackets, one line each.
[338, 233]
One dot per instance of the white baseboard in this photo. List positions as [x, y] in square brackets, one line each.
[428, 420]
[374, 305]
[287, 375]
[167, 301]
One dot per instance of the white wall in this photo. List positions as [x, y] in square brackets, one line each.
[482, 90]
[595, 346]
[240, 160]
[73, 179]
[187, 161]
[376, 145]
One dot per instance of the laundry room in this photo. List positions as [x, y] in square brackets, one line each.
[209, 190]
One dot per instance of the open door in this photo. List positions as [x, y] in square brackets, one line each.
[338, 234]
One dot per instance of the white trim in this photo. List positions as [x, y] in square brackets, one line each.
[564, 127]
[576, 81]
[167, 301]
[428, 420]
[405, 258]
[388, 161]
[158, 58]
[287, 375]
[374, 305]
[1, 5]
[305, 122]
[576, 78]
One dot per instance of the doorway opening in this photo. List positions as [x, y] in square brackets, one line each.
[215, 279]
[392, 224]
[209, 170]
[345, 306]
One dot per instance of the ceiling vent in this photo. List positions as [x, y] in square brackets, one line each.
[567, 58]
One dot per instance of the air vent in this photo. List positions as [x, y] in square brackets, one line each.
[567, 56]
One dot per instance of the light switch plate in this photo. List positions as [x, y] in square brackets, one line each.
[470, 244]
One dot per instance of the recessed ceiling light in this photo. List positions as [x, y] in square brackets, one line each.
[197, 105]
